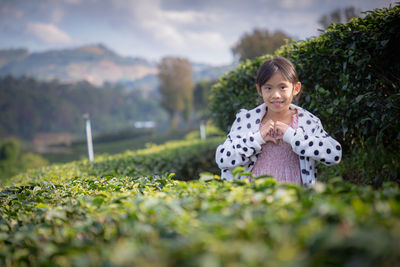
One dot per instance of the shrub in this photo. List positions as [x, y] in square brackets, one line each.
[373, 165]
[13, 161]
[184, 158]
[350, 76]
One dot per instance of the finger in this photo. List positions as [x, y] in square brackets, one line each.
[276, 126]
[276, 132]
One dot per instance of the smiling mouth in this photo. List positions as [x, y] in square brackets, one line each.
[277, 102]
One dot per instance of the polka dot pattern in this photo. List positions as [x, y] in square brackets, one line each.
[327, 152]
[309, 142]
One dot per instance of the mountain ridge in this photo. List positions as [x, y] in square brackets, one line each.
[94, 63]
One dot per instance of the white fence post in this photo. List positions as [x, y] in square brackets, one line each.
[202, 130]
[89, 137]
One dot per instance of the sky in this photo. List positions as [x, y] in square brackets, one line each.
[203, 31]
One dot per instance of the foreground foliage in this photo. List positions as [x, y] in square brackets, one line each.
[158, 221]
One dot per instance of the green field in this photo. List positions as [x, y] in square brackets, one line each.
[118, 212]
[79, 151]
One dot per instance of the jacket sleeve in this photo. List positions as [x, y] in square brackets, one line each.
[318, 146]
[240, 145]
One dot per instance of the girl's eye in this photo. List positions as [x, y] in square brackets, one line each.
[283, 87]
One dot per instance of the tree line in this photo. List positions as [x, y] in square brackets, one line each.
[29, 106]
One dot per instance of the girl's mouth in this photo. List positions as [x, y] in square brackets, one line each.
[277, 104]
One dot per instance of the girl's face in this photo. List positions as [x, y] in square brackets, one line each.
[278, 92]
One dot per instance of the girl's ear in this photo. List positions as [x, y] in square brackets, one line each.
[258, 90]
[296, 88]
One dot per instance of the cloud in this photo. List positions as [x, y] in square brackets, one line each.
[164, 33]
[176, 29]
[73, 2]
[56, 15]
[11, 13]
[48, 33]
[213, 40]
[293, 4]
[185, 16]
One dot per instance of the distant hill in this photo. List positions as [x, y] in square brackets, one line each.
[94, 63]
[12, 55]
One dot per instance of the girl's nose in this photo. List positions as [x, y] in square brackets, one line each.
[275, 93]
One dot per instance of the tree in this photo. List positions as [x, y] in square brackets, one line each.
[338, 16]
[176, 88]
[258, 43]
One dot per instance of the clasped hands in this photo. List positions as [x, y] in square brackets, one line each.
[273, 131]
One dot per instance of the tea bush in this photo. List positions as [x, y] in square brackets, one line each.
[350, 76]
[187, 159]
[157, 221]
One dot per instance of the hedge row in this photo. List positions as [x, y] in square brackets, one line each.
[157, 221]
[184, 158]
[350, 76]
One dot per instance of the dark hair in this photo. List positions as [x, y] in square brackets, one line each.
[281, 64]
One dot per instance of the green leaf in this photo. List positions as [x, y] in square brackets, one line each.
[246, 174]
[206, 176]
[237, 170]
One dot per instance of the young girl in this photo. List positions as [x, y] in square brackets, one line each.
[277, 137]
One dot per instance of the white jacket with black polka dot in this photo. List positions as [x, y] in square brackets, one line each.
[309, 141]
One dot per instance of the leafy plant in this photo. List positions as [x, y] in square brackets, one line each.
[184, 158]
[158, 221]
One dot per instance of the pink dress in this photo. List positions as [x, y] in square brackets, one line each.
[279, 160]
